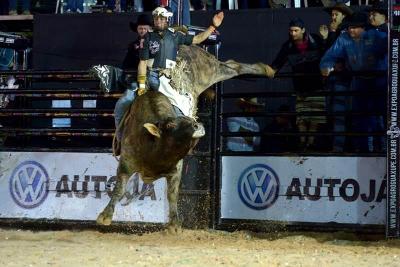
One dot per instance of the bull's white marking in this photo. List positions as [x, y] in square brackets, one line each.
[184, 102]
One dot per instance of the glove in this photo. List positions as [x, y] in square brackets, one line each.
[142, 84]
[141, 91]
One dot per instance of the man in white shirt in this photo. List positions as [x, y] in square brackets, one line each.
[244, 124]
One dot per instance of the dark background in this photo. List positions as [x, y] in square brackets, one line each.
[77, 41]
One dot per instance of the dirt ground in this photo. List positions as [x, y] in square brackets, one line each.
[192, 248]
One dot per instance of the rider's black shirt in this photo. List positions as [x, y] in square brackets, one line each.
[161, 47]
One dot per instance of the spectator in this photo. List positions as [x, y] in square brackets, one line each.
[244, 124]
[141, 27]
[303, 51]
[138, 5]
[339, 13]
[378, 16]
[25, 7]
[282, 124]
[330, 33]
[74, 6]
[180, 18]
[329, 3]
[362, 50]
[115, 5]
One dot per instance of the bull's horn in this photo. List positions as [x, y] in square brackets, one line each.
[198, 131]
[152, 129]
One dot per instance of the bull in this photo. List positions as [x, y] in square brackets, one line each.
[155, 140]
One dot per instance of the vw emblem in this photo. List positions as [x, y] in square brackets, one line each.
[258, 186]
[29, 184]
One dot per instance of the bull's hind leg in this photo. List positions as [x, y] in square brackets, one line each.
[173, 182]
[243, 68]
[105, 217]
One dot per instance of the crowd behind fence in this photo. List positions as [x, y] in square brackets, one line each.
[261, 128]
[28, 7]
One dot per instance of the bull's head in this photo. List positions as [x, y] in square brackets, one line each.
[176, 135]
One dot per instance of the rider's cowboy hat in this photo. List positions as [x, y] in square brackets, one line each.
[142, 20]
[345, 10]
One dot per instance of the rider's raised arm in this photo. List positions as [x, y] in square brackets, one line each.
[217, 20]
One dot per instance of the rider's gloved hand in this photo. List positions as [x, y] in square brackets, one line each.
[141, 91]
[142, 84]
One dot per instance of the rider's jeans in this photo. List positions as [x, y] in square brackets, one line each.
[121, 106]
[153, 80]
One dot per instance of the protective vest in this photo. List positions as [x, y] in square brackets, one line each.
[163, 48]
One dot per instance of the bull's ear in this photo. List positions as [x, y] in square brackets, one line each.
[153, 129]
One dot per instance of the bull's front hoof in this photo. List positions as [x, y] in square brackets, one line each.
[104, 219]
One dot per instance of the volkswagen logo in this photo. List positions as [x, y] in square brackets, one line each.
[258, 186]
[29, 184]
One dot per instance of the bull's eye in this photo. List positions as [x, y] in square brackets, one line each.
[171, 125]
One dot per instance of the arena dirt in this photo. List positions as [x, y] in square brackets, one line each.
[192, 248]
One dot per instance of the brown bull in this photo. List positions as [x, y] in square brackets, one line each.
[155, 140]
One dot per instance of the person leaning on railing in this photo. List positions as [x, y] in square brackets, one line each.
[364, 50]
[339, 13]
[303, 52]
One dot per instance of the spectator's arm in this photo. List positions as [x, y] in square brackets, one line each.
[332, 56]
[281, 58]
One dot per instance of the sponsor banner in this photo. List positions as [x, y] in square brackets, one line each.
[393, 131]
[304, 189]
[73, 186]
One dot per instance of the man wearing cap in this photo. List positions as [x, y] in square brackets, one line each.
[141, 27]
[362, 50]
[244, 124]
[378, 16]
[338, 13]
[303, 52]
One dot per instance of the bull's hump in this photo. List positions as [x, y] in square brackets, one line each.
[154, 104]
